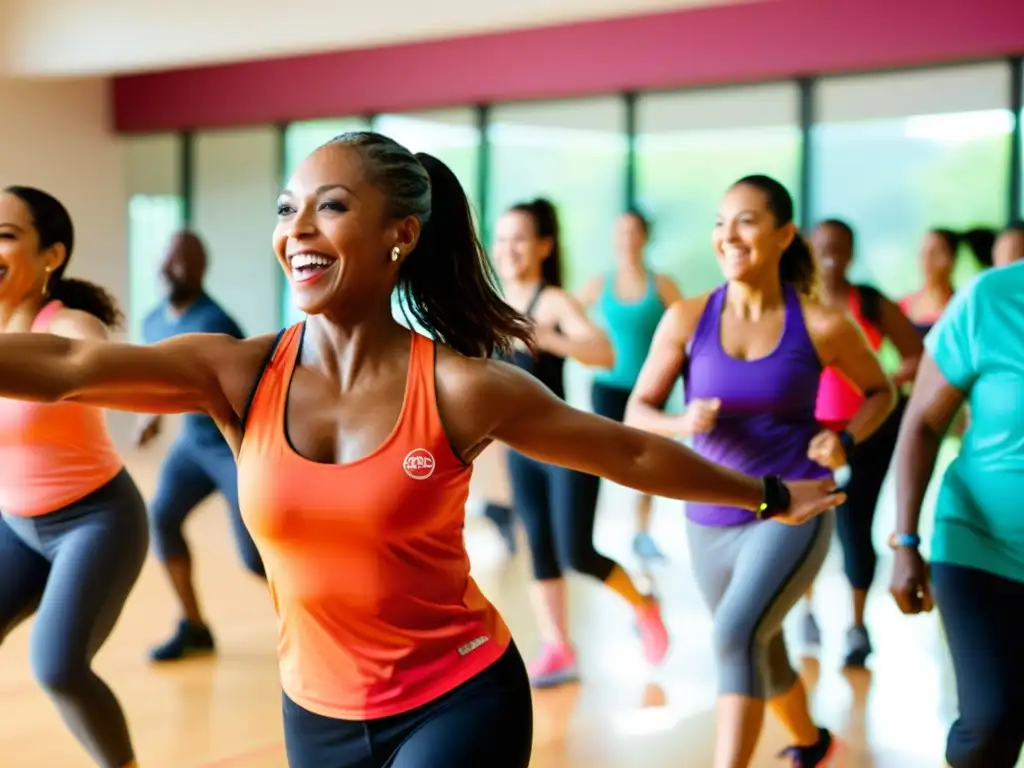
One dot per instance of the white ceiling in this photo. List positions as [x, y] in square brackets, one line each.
[59, 38]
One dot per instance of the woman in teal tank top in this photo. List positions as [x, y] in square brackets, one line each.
[629, 303]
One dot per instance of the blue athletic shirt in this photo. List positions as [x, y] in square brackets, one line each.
[978, 345]
[204, 316]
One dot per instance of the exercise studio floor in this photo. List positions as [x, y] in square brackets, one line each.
[225, 710]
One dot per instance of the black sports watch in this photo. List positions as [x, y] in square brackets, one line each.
[775, 499]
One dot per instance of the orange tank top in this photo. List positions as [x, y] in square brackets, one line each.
[838, 400]
[52, 454]
[366, 561]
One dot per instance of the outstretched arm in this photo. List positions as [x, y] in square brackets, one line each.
[181, 375]
[488, 400]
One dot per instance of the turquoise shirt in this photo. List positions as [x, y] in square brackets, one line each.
[978, 344]
[630, 327]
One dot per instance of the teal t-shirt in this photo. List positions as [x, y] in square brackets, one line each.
[978, 345]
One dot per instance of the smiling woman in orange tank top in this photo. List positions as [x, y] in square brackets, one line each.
[73, 533]
[355, 438]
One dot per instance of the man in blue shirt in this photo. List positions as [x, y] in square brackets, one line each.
[200, 461]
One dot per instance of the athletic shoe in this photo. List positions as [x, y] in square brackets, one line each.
[645, 548]
[858, 646]
[556, 665]
[653, 634]
[811, 631]
[824, 754]
[189, 640]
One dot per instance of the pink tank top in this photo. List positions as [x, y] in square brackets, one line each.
[52, 454]
[838, 399]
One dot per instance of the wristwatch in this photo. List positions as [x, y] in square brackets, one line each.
[775, 497]
[904, 540]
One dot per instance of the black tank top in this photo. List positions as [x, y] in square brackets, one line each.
[547, 368]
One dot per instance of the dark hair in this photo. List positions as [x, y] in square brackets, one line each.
[842, 226]
[1015, 226]
[980, 241]
[642, 220]
[545, 223]
[797, 266]
[446, 284]
[53, 225]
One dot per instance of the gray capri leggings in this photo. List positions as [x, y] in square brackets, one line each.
[77, 566]
[750, 576]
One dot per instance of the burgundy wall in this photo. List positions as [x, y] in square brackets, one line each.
[768, 39]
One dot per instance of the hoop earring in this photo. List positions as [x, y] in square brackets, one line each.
[395, 253]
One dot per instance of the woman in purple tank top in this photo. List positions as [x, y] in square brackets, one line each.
[751, 353]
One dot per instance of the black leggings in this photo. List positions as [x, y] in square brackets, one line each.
[855, 518]
[557, 507]
[189, 474]
[980, 612]
[77, 566]
[486, 721]
[608, 401]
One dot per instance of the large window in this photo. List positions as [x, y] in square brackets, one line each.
[156, 211]
[689, 148]
[896, 154]
[451, 135]
[235, 185]
[574, 154]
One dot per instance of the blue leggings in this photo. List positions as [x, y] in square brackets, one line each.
[74, 568]
[190, 473]
[980, 613]
[487, 722]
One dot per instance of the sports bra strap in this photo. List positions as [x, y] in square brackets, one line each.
[533, 302]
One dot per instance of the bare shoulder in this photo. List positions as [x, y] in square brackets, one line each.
[683, 315]
[76, 324]
[826, 323]
[476, 394]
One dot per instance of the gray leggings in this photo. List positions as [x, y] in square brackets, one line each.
[77, 566]
[750, 576]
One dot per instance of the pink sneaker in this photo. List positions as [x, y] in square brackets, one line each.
[653, 635]
[556, 665]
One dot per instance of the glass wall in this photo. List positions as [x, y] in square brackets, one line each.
[451, 135]
[236, 180]
[896, 154]
[156, 210]
[690, 147]
[575, 154]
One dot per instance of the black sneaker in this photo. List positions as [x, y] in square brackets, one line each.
[858, 647]
[818, 756]
[189, 640]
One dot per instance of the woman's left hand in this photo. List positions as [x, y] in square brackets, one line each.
[826, 450]
[809, 498]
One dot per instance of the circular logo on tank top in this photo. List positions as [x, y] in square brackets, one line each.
[418, 464]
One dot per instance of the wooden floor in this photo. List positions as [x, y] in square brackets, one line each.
[224, 711]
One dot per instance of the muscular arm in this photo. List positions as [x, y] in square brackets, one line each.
[197, 372]
[933, 404]
[899, 330]
[578, 337]
[661, 369]
[486, 400]
[841, 344]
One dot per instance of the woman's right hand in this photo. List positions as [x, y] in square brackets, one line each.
[809, 498]
[700, 416]
[909, 586]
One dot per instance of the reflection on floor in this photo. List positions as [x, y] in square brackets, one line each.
[225, 711]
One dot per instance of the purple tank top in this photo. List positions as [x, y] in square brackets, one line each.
[766, 417]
